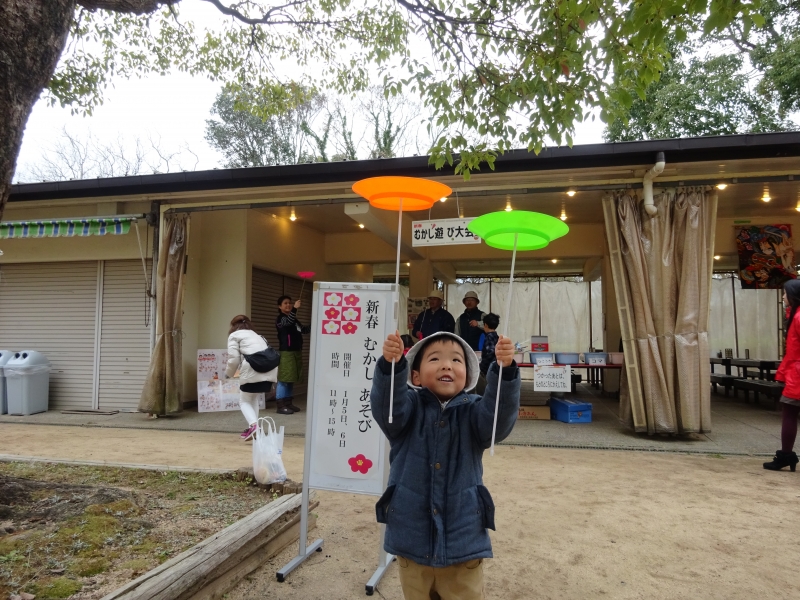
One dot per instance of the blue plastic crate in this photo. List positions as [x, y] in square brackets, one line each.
[570, 411]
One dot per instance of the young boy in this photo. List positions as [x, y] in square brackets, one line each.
[435, 507]
[490, 323]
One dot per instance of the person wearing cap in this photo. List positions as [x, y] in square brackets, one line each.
[434, 319]
[470, 324]
[436, 509]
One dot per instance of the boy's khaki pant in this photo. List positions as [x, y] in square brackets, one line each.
[463, 581]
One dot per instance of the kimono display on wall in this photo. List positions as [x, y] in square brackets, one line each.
[766, 256]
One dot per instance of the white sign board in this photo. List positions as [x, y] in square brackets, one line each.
[443, 232]
[552, 379]
[350, 321]
[214, 392]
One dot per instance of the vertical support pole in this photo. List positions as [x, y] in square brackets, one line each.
[735, 317]
[505, 334]
[306, 550]
[396, 302]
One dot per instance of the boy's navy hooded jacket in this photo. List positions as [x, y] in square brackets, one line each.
[435, 506]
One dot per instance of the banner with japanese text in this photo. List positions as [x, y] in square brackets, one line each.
[442, 232]
[350, 323]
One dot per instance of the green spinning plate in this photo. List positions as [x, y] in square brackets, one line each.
[534, 230]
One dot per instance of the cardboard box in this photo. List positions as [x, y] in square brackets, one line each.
[539, 343]
[570, 411]
[536, 413]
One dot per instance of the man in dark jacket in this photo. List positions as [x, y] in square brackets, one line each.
[470, 324]
[435, 506]
[434, 319]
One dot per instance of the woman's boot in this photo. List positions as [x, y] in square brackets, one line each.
[291, 404]
[782, 459]
[284, 406]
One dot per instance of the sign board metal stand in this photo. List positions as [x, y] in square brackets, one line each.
[312, 475]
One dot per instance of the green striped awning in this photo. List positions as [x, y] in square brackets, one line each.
[76, 227]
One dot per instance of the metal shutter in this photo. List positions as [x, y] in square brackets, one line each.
[124, 337]
[51, 307]
[267, 288]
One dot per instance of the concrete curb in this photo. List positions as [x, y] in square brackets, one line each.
[97, 463]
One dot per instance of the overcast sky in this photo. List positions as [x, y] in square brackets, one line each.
[172, 109]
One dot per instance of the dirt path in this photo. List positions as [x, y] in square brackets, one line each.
[570, 523]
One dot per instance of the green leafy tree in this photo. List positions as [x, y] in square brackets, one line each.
[494, 74]
[774, 50]
[707, 96]
[250, 134]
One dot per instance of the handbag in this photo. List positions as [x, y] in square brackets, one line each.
[265, 360]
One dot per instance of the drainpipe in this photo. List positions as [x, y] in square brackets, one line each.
[647, 183]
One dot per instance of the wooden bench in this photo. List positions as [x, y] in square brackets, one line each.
[773, 389]
[725, 381]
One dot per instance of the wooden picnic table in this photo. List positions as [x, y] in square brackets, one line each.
[765, 367]
[725, 362]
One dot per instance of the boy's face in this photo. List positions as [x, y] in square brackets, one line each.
[443, 369]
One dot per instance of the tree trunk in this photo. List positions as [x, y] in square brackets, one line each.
[33, 36]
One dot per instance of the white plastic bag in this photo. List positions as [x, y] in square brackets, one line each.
[267, 449]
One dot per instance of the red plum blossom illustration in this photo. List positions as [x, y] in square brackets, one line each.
[360, 464]
[349, 328]
[332, 313]
[351, 300]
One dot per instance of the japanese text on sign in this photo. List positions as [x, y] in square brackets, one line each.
[350, 334]
[442, 232]
[551, 379]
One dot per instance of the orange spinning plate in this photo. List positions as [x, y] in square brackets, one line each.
[386, 192]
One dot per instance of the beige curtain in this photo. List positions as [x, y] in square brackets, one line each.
[163, 387]
[666, 264]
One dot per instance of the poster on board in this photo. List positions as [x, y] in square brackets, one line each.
[350, 322]
[215, 393]
[552, 379]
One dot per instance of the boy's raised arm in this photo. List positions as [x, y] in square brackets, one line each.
[404, 401]
[483, 410]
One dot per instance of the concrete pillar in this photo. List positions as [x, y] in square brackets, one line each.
[420, 278]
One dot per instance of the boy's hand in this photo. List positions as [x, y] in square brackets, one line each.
[504, 351]
[393, 347]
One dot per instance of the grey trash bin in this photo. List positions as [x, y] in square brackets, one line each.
[5, 356]
[27, 383]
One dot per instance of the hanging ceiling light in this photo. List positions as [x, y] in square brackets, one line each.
[563, 213]
[722, 186]
[554, 260]
[293, 217]
[717, 257]
[765, 196]
[571, 193]
[508, 204]
[443, 199]
[361, 225]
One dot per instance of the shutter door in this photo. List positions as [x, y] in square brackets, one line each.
[124, 337]
[267, 288]
[50, 307]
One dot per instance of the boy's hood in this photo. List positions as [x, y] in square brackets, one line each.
[472, 359]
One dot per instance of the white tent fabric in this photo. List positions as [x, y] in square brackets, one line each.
[564, 309]
[756, 319]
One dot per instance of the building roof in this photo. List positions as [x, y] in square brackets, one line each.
[686, 150]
